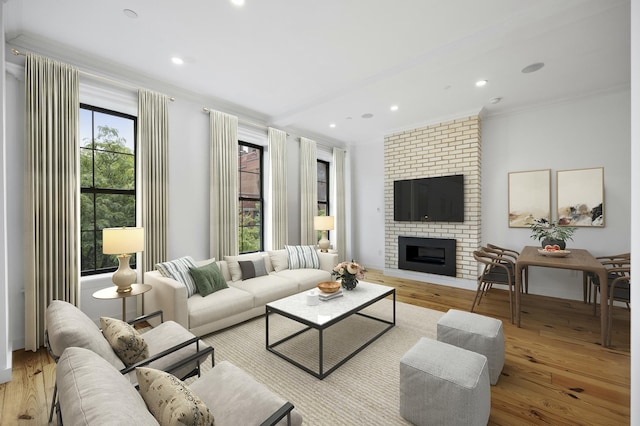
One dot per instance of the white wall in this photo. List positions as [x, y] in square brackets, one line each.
[583, 133]
[635, 185]
[5, 348]
[367, 165]
[588, 132]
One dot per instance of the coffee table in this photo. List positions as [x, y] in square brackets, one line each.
[327, 313]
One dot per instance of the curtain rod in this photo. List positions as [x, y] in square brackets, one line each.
[242, 120]
[16, 52]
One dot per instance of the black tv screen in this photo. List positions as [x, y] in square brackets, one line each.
[435, 199]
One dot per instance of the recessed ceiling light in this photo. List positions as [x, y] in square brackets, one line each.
[332, 125]
[394, 107]
[495, 100]
[349, 118]
[177, 61]
[532, 68]
[238, 2]
[367, 115]
[481, 83]
[130, 13]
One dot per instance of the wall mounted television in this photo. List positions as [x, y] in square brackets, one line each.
[434, 199]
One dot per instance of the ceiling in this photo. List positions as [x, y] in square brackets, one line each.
[301, 65]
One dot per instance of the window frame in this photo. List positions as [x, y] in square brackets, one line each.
[327, 164]
[106, 191]
[327, 204]
[260, 199]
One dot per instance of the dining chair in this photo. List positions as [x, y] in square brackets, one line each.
[619, 291]
[613, 263]
[497, 270]
[513, 255]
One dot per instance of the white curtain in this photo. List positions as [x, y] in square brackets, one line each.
[340, 210]
[308, 190]
[223, 194]
[278, 187]
[52, 189]
[153, 141]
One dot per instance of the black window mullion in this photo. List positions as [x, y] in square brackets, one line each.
[128, 194]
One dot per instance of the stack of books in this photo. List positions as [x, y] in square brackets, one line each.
[328, 296]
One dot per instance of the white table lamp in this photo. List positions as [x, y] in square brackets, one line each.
[122, 241]
[324, 224]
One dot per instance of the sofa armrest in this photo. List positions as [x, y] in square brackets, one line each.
[168, 296]
[328, 260]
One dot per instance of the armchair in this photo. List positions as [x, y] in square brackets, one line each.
[168, 343]
[229, 393]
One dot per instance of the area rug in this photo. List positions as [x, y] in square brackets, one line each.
[363, 391]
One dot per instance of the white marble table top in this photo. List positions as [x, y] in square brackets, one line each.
[325, 311]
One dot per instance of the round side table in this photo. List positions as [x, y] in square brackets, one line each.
[111, 293]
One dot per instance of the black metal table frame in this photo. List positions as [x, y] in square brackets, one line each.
[321, 374]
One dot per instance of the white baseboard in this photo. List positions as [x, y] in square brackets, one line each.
[5, 375]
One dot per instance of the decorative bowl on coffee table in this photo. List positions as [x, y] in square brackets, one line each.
[329, 286]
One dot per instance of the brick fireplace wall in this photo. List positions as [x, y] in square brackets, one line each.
[441, 149]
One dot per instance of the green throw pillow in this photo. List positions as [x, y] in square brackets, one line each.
[208, 278]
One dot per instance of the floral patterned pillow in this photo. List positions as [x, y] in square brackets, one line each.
[170, 401]
[125, 340]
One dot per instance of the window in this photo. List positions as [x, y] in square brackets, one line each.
[323, 190]
[250, 235]
[107, 182]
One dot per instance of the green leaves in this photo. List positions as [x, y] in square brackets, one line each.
[543, 229]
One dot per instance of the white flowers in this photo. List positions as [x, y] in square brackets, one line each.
[349, 269]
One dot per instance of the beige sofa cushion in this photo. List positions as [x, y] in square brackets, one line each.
[279, 260]
[236, 398]
[267, 288]
[218, 305]
[91, 390]
[305, 278]
[170, 401]
[68, 326]
[165, 336]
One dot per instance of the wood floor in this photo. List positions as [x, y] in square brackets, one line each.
[555, 371]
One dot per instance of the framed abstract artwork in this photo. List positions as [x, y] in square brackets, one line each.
[529, 197]
[580, 196]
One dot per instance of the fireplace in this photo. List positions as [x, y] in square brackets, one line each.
[431, 255]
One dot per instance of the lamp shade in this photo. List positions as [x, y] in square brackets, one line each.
[323, 223]
[122, 240]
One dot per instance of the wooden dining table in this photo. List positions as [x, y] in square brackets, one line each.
[579, 260]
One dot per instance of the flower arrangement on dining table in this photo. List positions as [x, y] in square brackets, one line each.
[349, 273]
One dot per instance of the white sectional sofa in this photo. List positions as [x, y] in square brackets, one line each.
[242, 300]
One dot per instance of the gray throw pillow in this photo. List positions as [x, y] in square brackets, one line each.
[252, 268]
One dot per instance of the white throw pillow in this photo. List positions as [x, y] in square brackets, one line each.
[301, 257]
[179, 270]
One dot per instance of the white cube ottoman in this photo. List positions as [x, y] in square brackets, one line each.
[442, 384]
[476, 333]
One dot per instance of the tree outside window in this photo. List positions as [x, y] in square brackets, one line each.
[107, 182]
